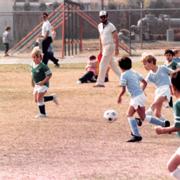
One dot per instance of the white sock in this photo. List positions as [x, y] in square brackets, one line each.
[176, 173]
[149, 112]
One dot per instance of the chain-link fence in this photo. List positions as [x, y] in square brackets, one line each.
[137, 28]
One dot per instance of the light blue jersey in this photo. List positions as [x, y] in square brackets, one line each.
[160, 77]
[131, 80]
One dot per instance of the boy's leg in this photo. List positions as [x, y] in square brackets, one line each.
[41, 104]
[157, 121]
[51, 98]
[173, 164]
[133, 126]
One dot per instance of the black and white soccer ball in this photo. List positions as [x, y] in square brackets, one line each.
[110, 115]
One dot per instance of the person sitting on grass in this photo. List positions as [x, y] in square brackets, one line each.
[91, 68]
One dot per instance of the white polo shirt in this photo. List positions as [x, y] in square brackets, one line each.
[106, 33]
[46, 27]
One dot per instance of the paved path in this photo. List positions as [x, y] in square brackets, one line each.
[82, 58]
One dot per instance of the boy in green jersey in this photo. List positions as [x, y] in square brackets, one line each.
[41, 75]
[174, 161]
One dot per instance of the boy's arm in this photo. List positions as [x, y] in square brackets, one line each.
[166, 130]
[123, 90]
[45, 80]
[144, 84]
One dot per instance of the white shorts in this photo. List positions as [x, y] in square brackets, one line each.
[138, 101]
[178, 151]
[39, 89]
[163, 91]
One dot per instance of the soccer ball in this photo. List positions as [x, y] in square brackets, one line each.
[110, 115]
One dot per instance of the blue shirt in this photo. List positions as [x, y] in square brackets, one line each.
[160, 77]
[131, 80]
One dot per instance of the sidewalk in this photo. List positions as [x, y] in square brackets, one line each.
[25, 58]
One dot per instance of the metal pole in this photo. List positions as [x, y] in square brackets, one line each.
[141, 16]
[102, 4]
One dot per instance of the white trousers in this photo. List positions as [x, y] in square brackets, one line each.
[107, 60]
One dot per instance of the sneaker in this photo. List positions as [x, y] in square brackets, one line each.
[139, 122]
[41, 115]
[55, 100]
[57, 65]
[135, 139]
[99, 85]
[166, 124]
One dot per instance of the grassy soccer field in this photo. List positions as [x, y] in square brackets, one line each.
[75, 142]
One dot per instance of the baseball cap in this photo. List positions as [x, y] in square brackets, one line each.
[102, 13]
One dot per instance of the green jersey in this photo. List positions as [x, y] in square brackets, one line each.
[40, 72]
[176, 109]
[173, 65]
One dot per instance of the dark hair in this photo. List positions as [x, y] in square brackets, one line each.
[176, 51]
[125, 63]
[175, 79]
[92, 57]
[8, 28]
[149, 59]
[45, 14]
[169, 51]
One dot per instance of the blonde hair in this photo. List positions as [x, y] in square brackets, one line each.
[36, 52]
[149, 59]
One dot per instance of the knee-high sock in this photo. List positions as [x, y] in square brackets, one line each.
[155, 120]
[133, 126]
[41, 106]
[48, 98]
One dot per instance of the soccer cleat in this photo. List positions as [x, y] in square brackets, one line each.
[41, 115]
[166, 124]
[55, 100]
[139, 122]
[135, 138]
[99, 85]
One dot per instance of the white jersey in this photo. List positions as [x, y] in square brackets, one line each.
[5, 37]
[105, 32]
[46, 27]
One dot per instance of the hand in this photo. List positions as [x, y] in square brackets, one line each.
[40, 83]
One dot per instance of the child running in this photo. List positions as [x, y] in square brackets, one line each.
[41, 75]
[174, 161]
[159, 76]
[132, 80]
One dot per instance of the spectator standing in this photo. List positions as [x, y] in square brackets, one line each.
[109, 43]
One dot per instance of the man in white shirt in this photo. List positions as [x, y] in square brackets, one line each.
[109, 43]
[47, 40]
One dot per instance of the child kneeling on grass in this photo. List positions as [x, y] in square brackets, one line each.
[41, 75]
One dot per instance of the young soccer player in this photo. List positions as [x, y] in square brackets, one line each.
[159, 76]
[174, 161]
[169, 54]
[41, 75]
[132, 80]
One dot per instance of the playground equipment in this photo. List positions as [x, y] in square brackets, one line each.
[68, 17]
[153, 28]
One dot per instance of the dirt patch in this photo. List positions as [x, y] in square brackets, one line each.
[75, 142]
